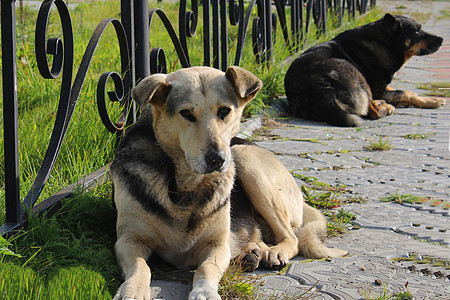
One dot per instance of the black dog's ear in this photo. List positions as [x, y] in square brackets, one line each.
[391, 24]
[246, 84]
[152, 89]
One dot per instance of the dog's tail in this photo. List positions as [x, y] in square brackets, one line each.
[344, 119]
[312, 234]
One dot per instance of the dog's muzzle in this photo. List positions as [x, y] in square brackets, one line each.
[215, 160]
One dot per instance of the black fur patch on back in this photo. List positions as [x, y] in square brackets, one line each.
[139, 149]
[140, 191]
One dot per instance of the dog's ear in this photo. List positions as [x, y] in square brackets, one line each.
[246, 84]
[152, 89]
[391, 24]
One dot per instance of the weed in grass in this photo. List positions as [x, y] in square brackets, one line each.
[382, 144]
[439, 89]
[339, 222]
[321, 200]
[415, 136]
[5, 251]
[235, 284]
[426, 259]
[404, 294]
[405, 198]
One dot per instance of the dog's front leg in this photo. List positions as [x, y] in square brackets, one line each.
[399, 98]
[208, 274]
[132, 258]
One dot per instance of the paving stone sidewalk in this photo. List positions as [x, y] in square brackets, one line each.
[419, 232]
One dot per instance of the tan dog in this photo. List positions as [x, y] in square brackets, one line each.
[173, 176]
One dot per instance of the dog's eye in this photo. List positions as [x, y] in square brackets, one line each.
[223, 112]
[187, 115]
[418, 29]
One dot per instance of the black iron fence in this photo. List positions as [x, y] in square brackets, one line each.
[255, 19]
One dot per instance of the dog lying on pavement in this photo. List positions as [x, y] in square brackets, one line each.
[346, 78]
[173, 177]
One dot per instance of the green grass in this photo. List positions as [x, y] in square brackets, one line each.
[412, 199]
[439, 89]
[386, 295]
[380, 144]
[426, 259]
[415, 136]
[74, 248]
[405, 198]
[328, 198]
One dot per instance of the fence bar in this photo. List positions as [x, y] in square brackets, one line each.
[268, 30]
[127, 13]
[141, 31]
[223, 34]
[215, 25]
[206, 33]
[10, 111]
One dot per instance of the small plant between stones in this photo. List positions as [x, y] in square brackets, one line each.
[382, 144]
[327, 198]
[417, 136]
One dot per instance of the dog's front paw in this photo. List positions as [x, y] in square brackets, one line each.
[204, 290]
[274, 259]
[133, 289]
[384, 109]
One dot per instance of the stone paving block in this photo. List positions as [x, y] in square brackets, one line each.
[169, 290]
[392, 216]
[338, 161]
[294, 162]
[355, 277]
[297, 132]
[277, 286]
[433, 234]
[294, 147]
[386, 244]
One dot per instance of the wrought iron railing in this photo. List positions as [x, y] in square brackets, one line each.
[133, 32]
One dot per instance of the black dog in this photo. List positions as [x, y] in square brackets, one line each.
[337, 81]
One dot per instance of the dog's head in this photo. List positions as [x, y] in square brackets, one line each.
[197, 110]
[410, 37]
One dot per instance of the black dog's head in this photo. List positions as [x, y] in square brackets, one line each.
[410, 37]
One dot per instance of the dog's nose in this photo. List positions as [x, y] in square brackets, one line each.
[215, 159]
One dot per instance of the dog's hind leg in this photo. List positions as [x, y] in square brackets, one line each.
[268, 185]
[274, 194]
[132, 258]
[399, 98]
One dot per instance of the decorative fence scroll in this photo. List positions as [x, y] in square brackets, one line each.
[255, 19]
